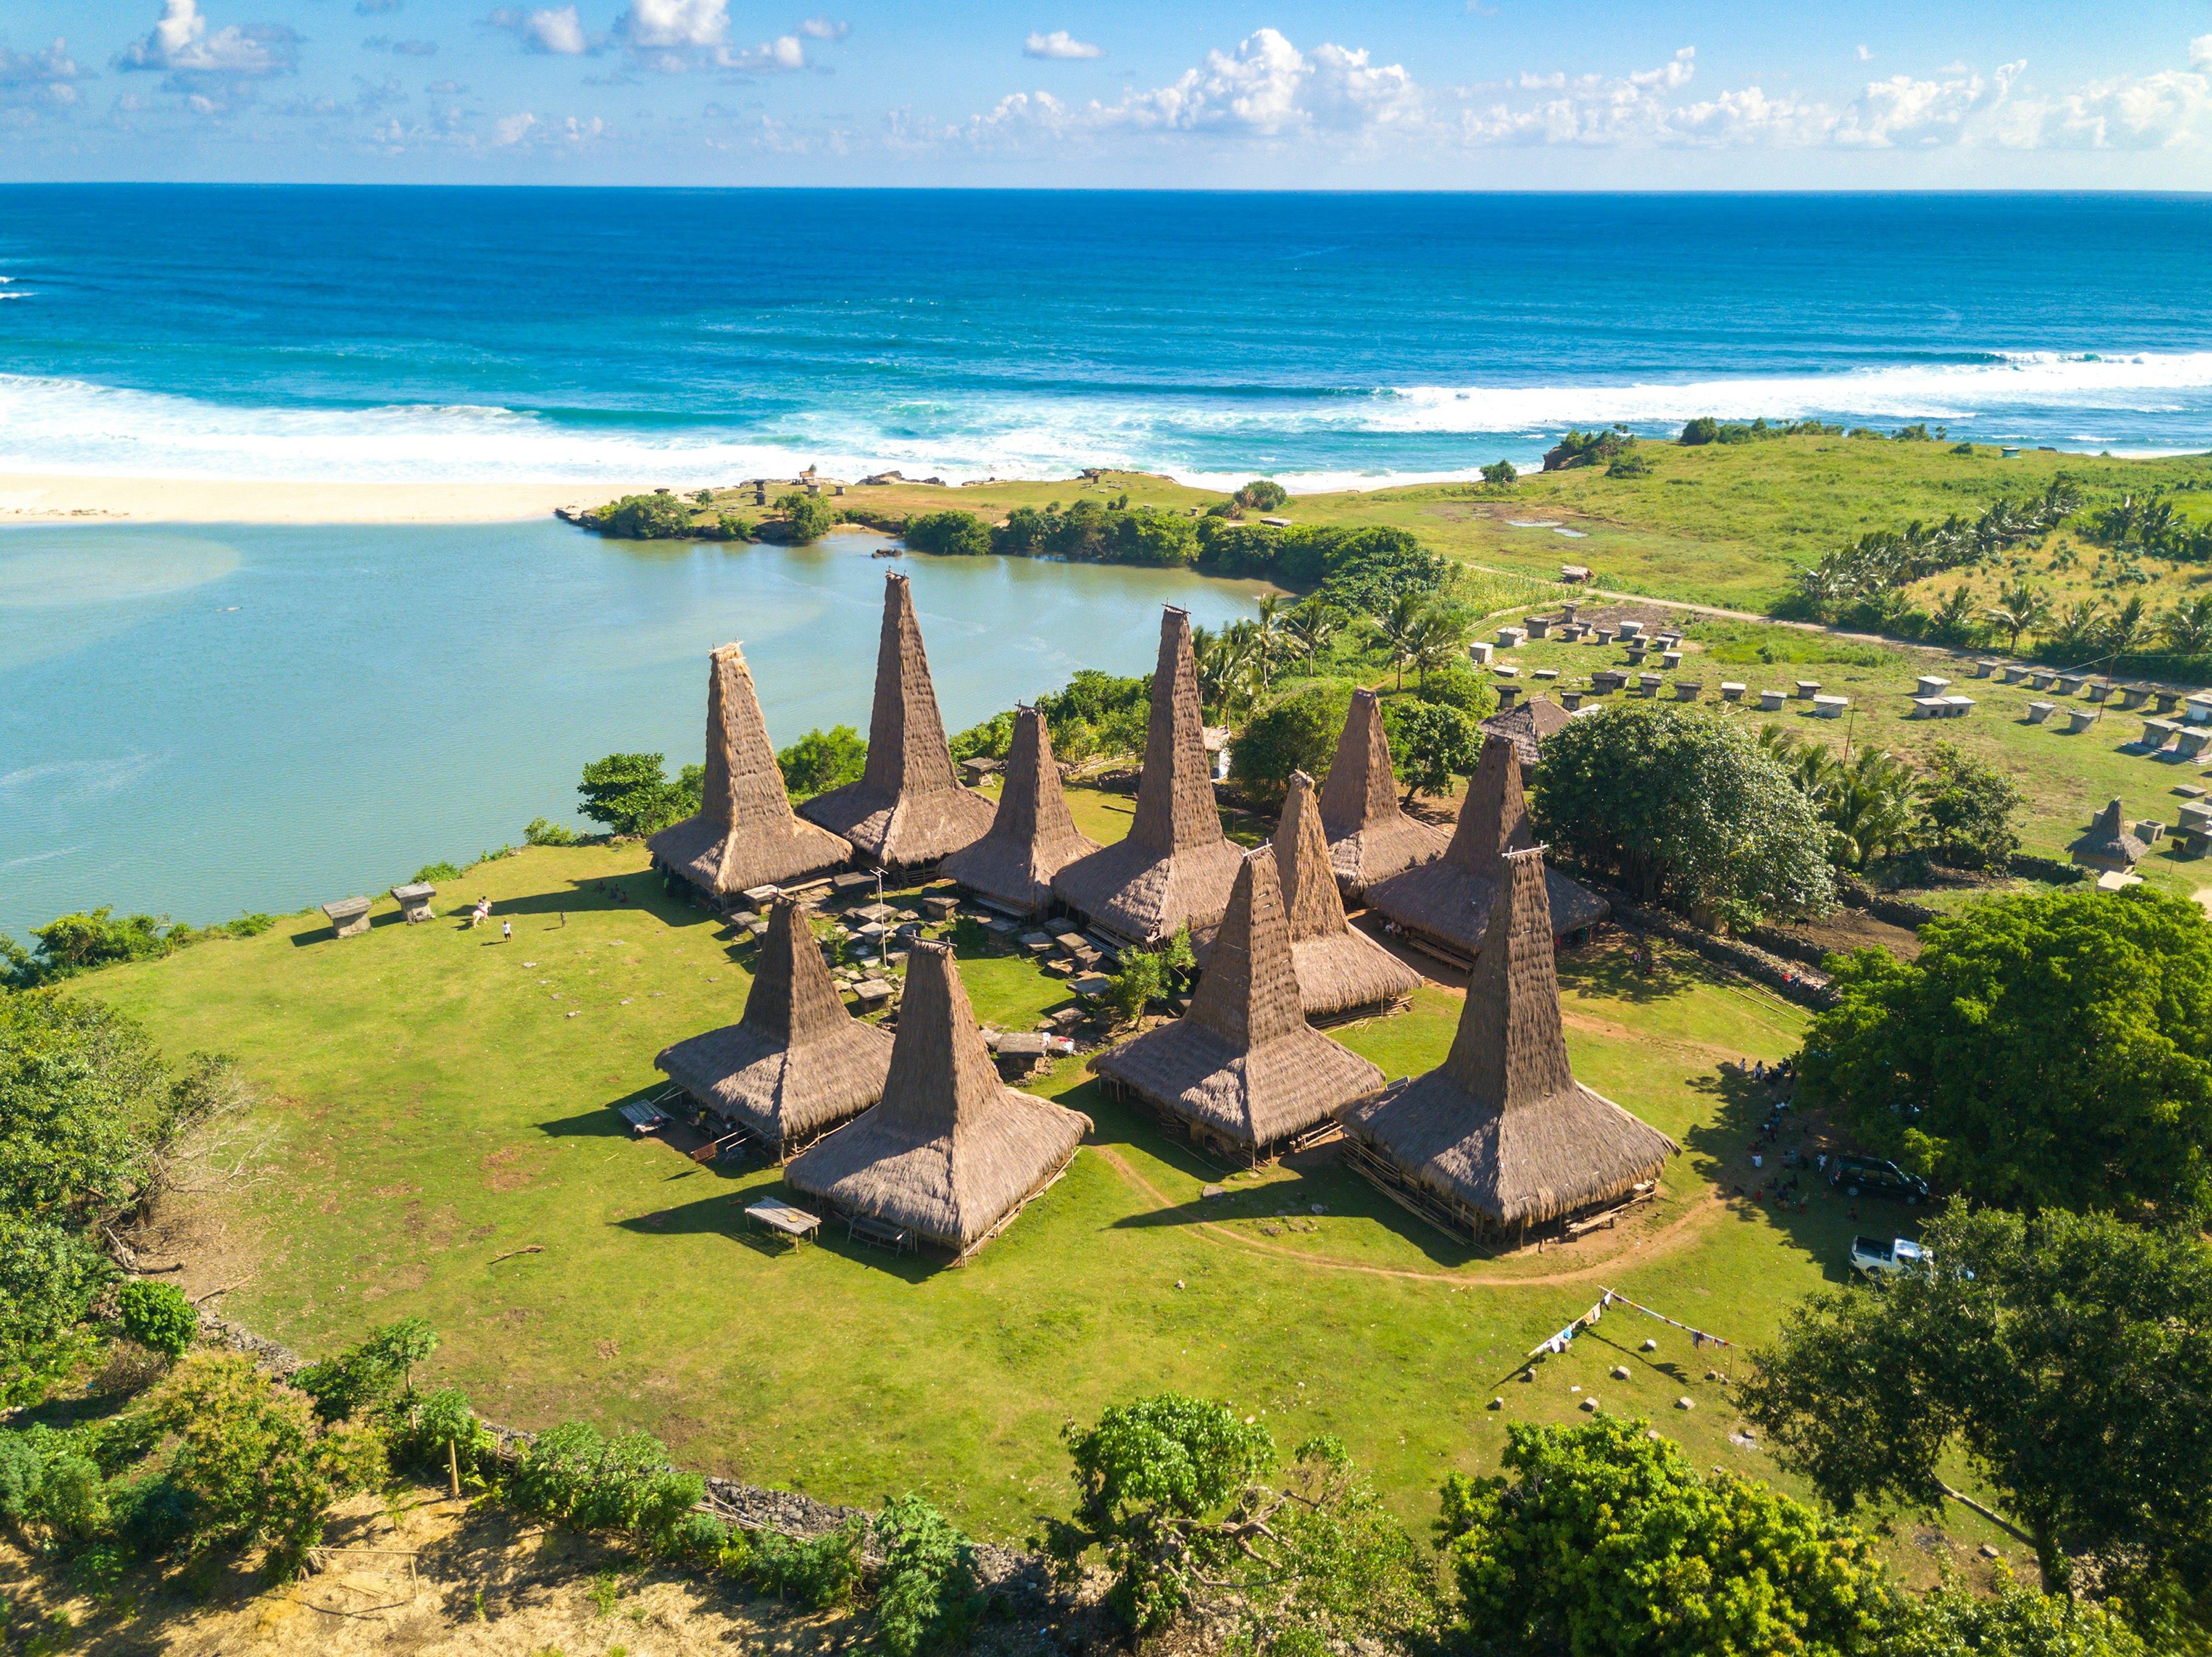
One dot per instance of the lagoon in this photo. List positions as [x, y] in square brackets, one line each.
[202, 722]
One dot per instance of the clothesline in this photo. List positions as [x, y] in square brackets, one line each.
[1702, 1338]
[1560, 1342]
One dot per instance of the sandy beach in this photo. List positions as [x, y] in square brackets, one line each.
[31, 498]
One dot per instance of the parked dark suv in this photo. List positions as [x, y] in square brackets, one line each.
[1870, 1177]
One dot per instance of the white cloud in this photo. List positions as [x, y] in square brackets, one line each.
[824, 27]
[784, 53]
[665, 25]
[2200, 53]
[1902, 111]
[1596, 109]
[2171, 109]
[511, 132]
[32, 80]
[512, 129]
[558, 32]
[1268, 86]
[1060, 44]
[181, 43]
[1866, 54]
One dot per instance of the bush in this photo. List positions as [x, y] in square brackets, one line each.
[1631, 465]
[1431, 743]
[817, 1572]
[821, 760]
[1092, 532]
[544, 831]
[362, 1379]
[807, 518]
[1142, 981]
[1262, 495]
[1969, 810]
[949, 533]
[928, 1589]
[1298, 733]
[1704, 429]
[657, 517]
[158, 1317]
[627, 793]
[437, 873]
[1501, 471]
[1453, 686]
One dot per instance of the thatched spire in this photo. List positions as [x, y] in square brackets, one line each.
[1445, 906]
[1502, 1135]
[745, 834]
[1339, 970]
[796, 1063]
[1034, 835]
[908, 808]
[952, 1153]
[2108, 845]
[1175, 866]
[1243, 1067]
[1370, 838]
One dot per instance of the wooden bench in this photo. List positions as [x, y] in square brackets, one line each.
[785, 1220]
[880, 1234]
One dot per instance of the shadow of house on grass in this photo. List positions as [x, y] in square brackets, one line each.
[640, 893]
[1607, 970]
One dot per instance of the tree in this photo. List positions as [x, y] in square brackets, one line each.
[158, 1317]
[2020, 608]
[1440, 638]
[1298, 733]
[1400, 630]
[2073, 627]
[1142, 981]
[1172, 1491]
[806, 517]
[2042, 1052]
[1685, 808]
[627, 793]
[949, 533]
[1953, 1621]
[1704, 429]
[363, 1378]
[2065, 1358]
[1870, 809]
[1598, 1539]
[1262, 495]
[1430, 742]
[927, 1587]
[1969, 809]
[1314, 624]
[823, 760]
[2124, 629]
[2187, 627]
[1452, 684]
[1267, 634]
[1500, 472]
[656, 516]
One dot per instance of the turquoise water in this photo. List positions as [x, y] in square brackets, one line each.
[202, 722]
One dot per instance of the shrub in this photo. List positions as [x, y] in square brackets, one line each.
[1142, 981]
[1298, 733]
[1453, 686]
[817, 1572]
[158, 1317]
[438, 872]
[1969, 810]
[544, 831]
[627, 793]
[657, 517]
[823, 760]
[1501, 471]
[949, 533]
[1704, 429]
[1262, 495]
[807, 518]
[1431, 743]
[926, 1601]
[1630, 464]
[363, 1378]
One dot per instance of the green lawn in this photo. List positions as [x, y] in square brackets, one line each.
[438, 1105]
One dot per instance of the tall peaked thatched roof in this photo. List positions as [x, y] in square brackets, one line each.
[952, 1151]
[2108, 845]
[1370, 838]
[797, 1063]
[1174, 866]
[1242, 1064]
[1503, 1129]
[746, 834]
[1032, 838]
[908, 808]
[1338, 967]
[1449, 900]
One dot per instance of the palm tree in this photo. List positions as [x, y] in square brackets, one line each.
[1267, 630]
[1869, 809]
[2074, 625]
[1399, 631]
[1315, 625]
[1441, 638]
[2125, 630]
[2187, 629]
[2020, 608]
[1953, 618]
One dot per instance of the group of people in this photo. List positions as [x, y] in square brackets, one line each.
[481, 912]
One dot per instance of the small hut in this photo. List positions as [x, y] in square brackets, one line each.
[1370, 838]
[1529, 727]
[952, 1153]
[797, 1063]
[1175, 866]
[909, 810]
[746, 834]
[2108, 845]
[1032, 838]
[1502, 1137]
[1444, 907]
[1242, 1070]
[1342, 972]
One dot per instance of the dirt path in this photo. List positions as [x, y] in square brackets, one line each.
[1699, 1216]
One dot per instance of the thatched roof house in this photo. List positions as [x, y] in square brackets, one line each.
[1528, 726]
[2108, 845]
[1175, 866]
[952, 1153]
[1032, 838]
[745, 834]
[1243, 1069]
[1444, 907]
[1503, 1138]
[797, 1063]
[1342, 972]
[1370, 838]
[907, 809]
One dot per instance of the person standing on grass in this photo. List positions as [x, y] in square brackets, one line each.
[507, 931]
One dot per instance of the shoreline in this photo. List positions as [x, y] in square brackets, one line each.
[59, 498]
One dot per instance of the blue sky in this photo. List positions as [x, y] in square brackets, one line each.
[1222, 93]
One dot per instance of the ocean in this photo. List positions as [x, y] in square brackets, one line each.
[701, 336]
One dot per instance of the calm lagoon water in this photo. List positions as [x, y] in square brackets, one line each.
[205, 721]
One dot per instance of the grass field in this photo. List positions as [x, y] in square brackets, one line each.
[442, 1098]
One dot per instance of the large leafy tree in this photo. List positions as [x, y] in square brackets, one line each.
[823, 760]
[1969, 809]
[1600, 1539]
[2042, 1052]
[1298, 733]
[1684, 807]
[1431, 743]
[2068, 1357]
[628, 793]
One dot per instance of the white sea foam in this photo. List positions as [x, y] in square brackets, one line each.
[72, 425]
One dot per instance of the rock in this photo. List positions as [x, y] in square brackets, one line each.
[1528, 1374]
[1212, 1191]
[1178, 1282]
[1321, 1208]
[1497, 1403]
[1620, 1372]
[1989, 1551]
[1654, 1435]
[1712, 1375]
[1590, 1406]
[1650, 1346]
[1684, 1404]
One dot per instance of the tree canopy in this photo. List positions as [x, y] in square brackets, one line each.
[1685, 808]
[1432, 743]
[1298, 733]
[949, 533]
[2050, 1051]
[628, 794]
[823, 760]
[2066, 1356]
